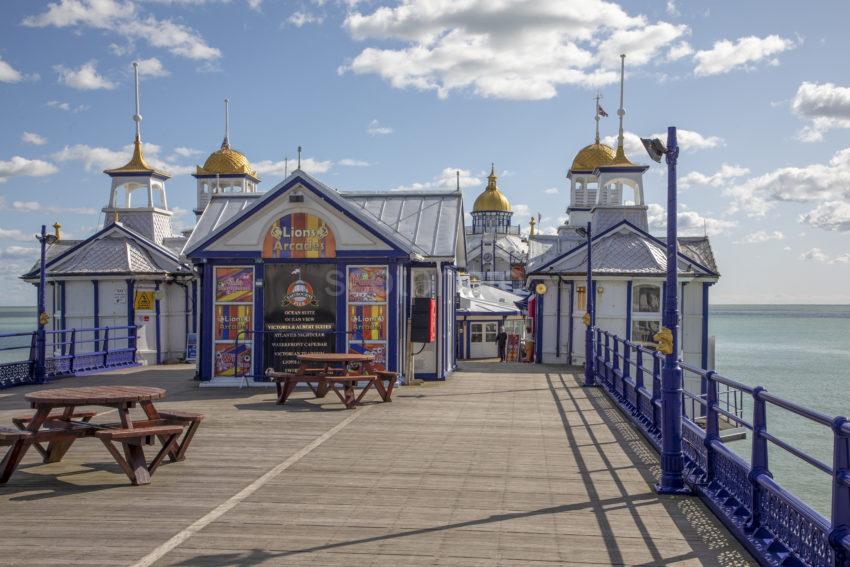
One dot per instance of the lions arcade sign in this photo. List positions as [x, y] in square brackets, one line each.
[299, 235]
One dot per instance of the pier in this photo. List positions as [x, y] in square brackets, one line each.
[511, 464]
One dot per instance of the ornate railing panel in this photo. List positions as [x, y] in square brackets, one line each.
[67, 352]
[775, 525]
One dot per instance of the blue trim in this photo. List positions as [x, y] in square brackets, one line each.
[392, 326]
[131, 307]
[466, 338]
[185, 316]
[572, 323]
[342, 311]
[96, 321]
[609, 169]
[558, 323]
[538, 339]
[194, 306]
[616, 227]
[258, 353]
[462, 313]
[593, 315]
[347, 255]
[629, 310]
[704, 355]
[206, 315]
[296, 179]
[158, 308]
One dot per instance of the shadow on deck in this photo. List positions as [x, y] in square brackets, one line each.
[503, 464]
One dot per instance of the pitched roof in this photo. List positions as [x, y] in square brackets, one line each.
[428, 221]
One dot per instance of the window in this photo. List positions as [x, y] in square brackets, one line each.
[490, 330]
[646, 312]
[475, 333]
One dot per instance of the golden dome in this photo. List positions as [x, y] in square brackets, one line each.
[137, 163]
[593, 156]
[491, 199]
[226, 161]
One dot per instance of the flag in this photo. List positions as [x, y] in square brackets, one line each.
[601, 111]
[539, 216]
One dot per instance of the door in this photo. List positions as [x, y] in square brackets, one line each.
[482, 339]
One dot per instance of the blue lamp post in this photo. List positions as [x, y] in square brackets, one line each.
[588, 317]
[40, 343]
[672, 458]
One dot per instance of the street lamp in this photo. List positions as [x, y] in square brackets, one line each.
[589, 314]
[672, 458]
[44, 239]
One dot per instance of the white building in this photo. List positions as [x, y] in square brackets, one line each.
[629, 265]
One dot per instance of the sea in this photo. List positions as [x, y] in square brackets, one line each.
[799, 352]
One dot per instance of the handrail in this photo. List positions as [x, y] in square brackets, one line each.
[770, 512]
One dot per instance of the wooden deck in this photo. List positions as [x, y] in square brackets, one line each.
[507, 465]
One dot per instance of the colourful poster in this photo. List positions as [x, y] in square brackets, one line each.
[299, 235]
[367, 322]
[378, 350]
[230, 320]
[234, 285]
[367, 284]
[231, 360]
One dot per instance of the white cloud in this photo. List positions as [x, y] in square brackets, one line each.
[36, 207]
[551, 191]
[511, 49]
[33, 138]
[826, 105]
[85, 78]
[726, 55]
[672, 9]
[152, 67]
[353, 162]
[124, 18]
[18, 166]
[829, 182]
[104, 158]
[9, 74]
[760, 236]
[688, 141]
[818, 255]
[720, 178]
[15, 234]
[446, 179]
[19, 252]
[277, 168]
[302, 18]
[832, 215]
[688, 223]
[375, 128]
[186, 152]
[58, 104]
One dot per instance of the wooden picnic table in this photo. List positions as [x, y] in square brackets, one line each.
[330, 370]
[60, 429]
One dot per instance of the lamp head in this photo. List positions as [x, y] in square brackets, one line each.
[655, 148]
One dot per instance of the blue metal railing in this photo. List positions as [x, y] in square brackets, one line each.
[68, 352]
[774, 524]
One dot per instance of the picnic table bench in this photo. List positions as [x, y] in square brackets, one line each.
[58, 424]
[333, 372]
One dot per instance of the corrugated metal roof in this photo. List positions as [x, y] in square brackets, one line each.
[427, 220]
[221, 208]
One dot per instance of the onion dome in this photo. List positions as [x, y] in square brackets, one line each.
[491, 199]
[227, 161]
[593, 156]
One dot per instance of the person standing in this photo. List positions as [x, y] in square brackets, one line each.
[502, 342]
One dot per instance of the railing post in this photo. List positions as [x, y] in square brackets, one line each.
[758, 459]
[607, 372]
[598, 358]
[712, 426]
[131, 335]
[72, 350]
[638, 370]
[106, 346]
[840, 491]
[615, 362]
[627, 367]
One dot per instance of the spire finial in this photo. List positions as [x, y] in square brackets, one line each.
[226, 142]
[285, 167]
[621, 112]
[531, 229]
[299, 157]
[137, 117]
[491, 179]
[457, 176]
[598, 97]
[57, 230]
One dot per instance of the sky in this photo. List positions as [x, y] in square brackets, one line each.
[401, 94]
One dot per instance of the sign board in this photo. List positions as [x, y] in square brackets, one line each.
[299, 312]
[119, 295]
[299, 235]
[144, 301]
[234, 285]
[192, 347]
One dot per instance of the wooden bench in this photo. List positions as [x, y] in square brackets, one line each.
[9, 435]
[134, 466]
[21, 421]
[192, 421]
[287, 382]
[58, 444]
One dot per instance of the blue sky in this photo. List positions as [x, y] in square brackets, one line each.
[386, 95]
